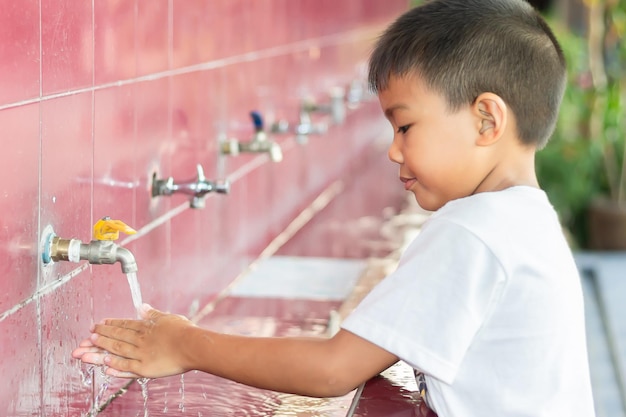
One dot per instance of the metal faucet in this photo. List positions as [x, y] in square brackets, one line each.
[357, 92]
[258, 144]
[336, 107]
[101, 250]
[305, 126]
[197, 188]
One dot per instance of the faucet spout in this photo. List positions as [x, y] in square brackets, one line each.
[126, 260]
[106, 252]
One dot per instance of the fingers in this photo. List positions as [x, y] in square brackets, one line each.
[116, 366]
[85, 343]
[113, 343]
[146, 311]
[126, 331]
[149, 315]
[80, 351]
[94, 357]
[136, 325]
[121, 374]
[123, 367]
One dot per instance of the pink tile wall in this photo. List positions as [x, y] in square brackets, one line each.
[96, 97]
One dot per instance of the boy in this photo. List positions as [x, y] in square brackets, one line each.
[486, 302]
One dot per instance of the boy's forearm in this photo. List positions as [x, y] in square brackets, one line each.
[295, 365]
[167, 344]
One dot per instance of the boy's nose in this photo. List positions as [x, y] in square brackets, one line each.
[394, 153]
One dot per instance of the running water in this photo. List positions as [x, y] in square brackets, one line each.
[88, 374]
[135, 291]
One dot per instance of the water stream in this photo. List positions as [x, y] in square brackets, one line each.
[135, 290]
[100, 402]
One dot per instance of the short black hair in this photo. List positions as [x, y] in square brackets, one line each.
[463, 48]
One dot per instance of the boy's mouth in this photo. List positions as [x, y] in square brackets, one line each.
[408, 182]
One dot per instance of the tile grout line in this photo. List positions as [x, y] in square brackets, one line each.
[275, 51]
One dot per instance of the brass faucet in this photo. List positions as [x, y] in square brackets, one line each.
[101, 250]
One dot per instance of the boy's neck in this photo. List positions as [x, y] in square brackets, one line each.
[514, 167]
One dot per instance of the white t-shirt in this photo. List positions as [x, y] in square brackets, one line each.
[487, 303]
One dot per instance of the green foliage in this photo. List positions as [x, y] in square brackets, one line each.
[585, 157]
[568, 166]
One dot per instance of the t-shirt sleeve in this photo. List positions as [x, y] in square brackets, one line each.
[428, 311]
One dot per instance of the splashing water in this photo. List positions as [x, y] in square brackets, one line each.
[104, 386]
[144, 393]
[88, 379]
[135, 291]
[88, 373]
[181, 406]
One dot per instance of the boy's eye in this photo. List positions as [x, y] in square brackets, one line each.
[403, 129]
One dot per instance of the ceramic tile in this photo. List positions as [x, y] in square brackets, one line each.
[20, 191]
[115, 45]
[154, 149]
[20, 364]
[115, 182]
[66, 171]
[20, 53]
[67, 45]
[193, 40]
[153, 35]
[65, 320]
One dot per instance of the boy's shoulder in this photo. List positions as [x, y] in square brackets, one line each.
[511, 218]
[497, 205]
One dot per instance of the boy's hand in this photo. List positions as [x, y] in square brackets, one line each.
[149, 348]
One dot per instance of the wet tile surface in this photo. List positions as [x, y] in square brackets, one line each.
[284, 296]
[393, 393]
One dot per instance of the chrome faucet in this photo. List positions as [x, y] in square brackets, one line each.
[305, 126]
[357, 92]
[258, 144]
[101, 250]
[336, 107]
[197, 188]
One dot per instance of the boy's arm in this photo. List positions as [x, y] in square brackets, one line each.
[166, 344]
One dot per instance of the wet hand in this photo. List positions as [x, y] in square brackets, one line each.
[148, 348]
[88, 353]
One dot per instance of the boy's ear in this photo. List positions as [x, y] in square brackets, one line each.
[492, 115]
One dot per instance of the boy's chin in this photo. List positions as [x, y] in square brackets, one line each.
[428, 204]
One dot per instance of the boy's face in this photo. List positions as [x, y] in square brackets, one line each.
[434, 147]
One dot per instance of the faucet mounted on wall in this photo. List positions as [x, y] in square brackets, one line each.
[197, 188]
[336, 108]
[101, 250]
[258, 144]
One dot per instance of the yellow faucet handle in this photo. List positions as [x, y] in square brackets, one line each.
[108, 229]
